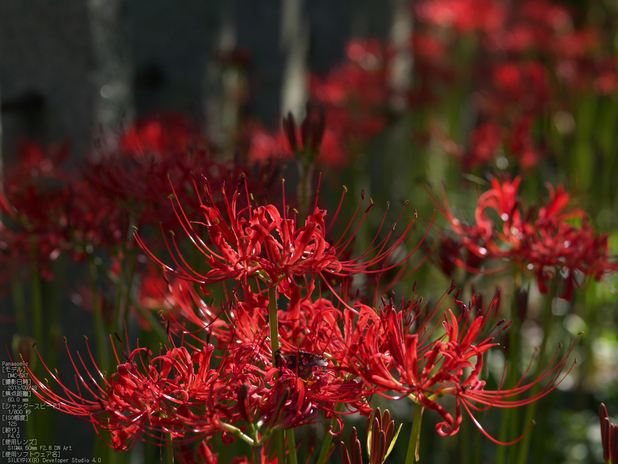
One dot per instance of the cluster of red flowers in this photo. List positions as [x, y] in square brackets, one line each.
[282, 363]
[521, 50]
[355, 93]
[555, 240]
[530, 62]
[294, 333]
[31, 231]
[49, 209]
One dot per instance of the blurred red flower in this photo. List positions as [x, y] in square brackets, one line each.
[547, 243]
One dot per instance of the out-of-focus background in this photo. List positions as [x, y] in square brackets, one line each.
[67, 66]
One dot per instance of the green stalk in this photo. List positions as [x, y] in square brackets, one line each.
[37, 301]
[415, 434]
[44, 424]
[54, 296]
[20, 305]
[274, 324]
[120, 290]
[257, 454]
[170, 451]
[515, 427]
[289, 433]
[531, 409]
[464, 443]
[99, 323]
[274, 344]
[123, 303]
[305, 170]
[508, 415]
[328, 439]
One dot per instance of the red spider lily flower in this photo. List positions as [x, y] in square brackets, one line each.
[286, 405]
[182, 393]
[33, 203]
[144, 396]
[180, 307]
[524, 84]
[257, 242]
[283, 397]
[160, 135]
[522, 144]
[264, 145]
[260, 241]
[424, 366]
[485, 140]
[355, 96]
[312, 348]
[177, 392]
[312, 345]
[539, 244]
[152, 152]
[153, 293]
[47, 210]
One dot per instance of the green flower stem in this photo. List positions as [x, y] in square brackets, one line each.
[274, 322]
[280, 443]
[170, 451]
[415, 434]
[305, 170]
[274, 345]
[37, 301]
[125, 297]
[257, 454]
[119, 289]
[292, 459]
[531, 409]
[237, 433]
[43, 427]
[464, 443]
[99, 323]
[20, 305]
[54, 301]
[509, 415]
[328, 439]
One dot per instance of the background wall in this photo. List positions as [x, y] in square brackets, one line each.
[49, 68]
